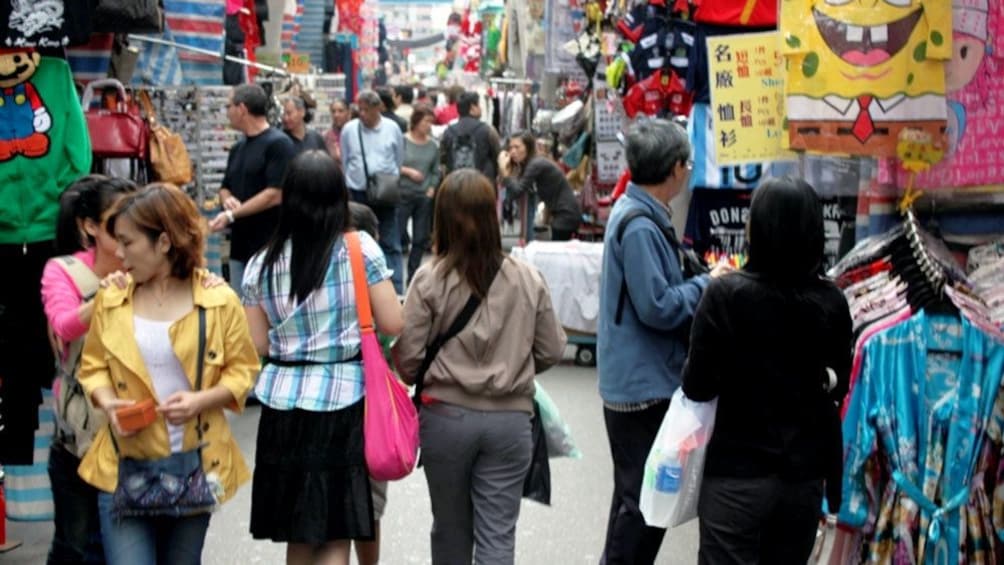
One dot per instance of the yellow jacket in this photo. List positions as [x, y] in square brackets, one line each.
[111, 358]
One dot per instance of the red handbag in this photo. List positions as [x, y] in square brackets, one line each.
[115, 133]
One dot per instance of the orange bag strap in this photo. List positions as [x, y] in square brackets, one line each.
[147, 104]
[363, 308]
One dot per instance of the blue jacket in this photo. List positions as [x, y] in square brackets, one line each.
[642, 357]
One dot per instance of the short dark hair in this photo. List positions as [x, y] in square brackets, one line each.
[654, 149]
[163, 208]
[364, 219]
[466, 102]
[419, 113]
[313, 215]
[305, 103]
[253, 98]
[89, 198]
[786, 236]
[386, 98]
[406, 93]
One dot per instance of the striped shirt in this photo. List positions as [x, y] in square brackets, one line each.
[323, 329]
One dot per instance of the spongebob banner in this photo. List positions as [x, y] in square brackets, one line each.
[974, 79]
[859, 72]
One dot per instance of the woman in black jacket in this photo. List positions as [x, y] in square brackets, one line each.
[787, 334]
[525, 172]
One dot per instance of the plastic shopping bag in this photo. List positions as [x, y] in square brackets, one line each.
[557, 432]
[672, 483]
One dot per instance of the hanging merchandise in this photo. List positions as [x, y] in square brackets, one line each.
[44, 147]
[716, 225]
[859, 75]
[737, 12]
[199, 24]
[128, 16]
[707, 173]
[469, 43]
[923, 419]
[169, 158]
[116, 129]
[658, 95]
[92, 59]
[29, 23]
[974, 80]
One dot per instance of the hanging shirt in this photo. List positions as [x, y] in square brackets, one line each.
[737, 12]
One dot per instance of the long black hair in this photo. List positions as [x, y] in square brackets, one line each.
[86, 199]
[786, 235]
[312, 217]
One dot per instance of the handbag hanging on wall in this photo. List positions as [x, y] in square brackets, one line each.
[169, 157]
[118, 132]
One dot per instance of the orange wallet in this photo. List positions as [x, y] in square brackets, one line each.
[138, 416]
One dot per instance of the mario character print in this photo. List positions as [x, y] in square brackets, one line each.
[24, 119]
[859, 72]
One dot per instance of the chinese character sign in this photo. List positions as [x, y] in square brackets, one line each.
[747, 97]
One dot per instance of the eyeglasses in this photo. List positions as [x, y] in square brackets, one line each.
[690, 164]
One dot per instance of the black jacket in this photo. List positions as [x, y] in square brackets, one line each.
[485, 138]
[762, 349]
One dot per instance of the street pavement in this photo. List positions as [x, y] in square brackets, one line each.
[569, 532]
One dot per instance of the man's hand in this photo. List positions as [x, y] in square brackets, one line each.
[229, 201]
[721, 269]
[221, 221]
[181, 407]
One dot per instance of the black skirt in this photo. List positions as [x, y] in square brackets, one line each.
[310, 484]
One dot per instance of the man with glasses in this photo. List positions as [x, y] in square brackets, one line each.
[646, 308]
[251, 188]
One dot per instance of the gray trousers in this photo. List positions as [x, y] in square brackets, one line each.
[475, 463]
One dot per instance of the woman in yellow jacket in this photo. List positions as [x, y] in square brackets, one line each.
[143, 344]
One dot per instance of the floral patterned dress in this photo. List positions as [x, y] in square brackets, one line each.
[922, 428]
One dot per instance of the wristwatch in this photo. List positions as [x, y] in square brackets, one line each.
[230, 216]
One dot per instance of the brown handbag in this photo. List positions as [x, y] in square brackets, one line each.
[169, 158]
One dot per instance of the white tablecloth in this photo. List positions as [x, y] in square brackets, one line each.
[572, 271]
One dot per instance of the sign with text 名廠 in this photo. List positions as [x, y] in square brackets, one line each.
[747, 97]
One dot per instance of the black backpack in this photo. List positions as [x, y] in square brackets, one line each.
[464, 151]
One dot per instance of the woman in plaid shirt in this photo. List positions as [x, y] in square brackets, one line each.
[311, 487]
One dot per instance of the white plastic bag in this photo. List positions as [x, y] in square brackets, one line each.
[556, 431]
[671, 486]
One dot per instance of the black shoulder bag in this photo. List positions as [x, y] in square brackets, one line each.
[173, 486]
[381, 188]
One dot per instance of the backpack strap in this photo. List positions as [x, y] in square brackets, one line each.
[667, 232]
[81, 275]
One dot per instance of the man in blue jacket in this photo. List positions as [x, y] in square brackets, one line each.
[646, 308]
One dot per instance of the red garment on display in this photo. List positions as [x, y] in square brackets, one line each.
[248, 20]
[663, 91]
[737, 12]
[349, 19]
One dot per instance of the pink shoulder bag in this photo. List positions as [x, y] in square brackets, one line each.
[390, 420]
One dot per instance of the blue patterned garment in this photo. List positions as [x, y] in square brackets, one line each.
[914, 435]
[324, 329]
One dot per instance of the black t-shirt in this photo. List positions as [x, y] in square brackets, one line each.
[256, 163]
[545, 179]
[312, 140]
[716, 222]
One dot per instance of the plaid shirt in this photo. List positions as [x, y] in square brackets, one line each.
[324, 329]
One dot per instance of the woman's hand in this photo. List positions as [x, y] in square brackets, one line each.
[212, 280]
[415, 175]
[109, 406]
[181, 407]
[118, 278]
[505, 163]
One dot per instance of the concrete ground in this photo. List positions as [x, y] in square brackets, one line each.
[570, 531]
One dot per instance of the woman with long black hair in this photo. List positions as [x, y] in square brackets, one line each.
[311, 487]
[776, 441]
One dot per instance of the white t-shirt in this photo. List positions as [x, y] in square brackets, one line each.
[164, 368]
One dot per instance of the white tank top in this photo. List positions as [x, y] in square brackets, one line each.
[164, 368]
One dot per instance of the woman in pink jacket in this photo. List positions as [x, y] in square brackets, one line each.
[86, 254]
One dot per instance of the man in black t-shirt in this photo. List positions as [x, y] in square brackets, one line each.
[251, 188]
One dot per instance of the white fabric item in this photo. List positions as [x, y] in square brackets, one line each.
[572, 272]
[164, 368]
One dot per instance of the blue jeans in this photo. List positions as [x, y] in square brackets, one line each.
[390, 237]
[161, 540]
[236, 276]
[77, 537]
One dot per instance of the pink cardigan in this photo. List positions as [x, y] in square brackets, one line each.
[61, 298]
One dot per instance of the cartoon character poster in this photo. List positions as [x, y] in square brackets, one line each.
[859, 72]
[24, 118]
[974, 80]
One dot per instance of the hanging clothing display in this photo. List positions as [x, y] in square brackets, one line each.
[198, 23]
[923, 417]
[859, 75]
